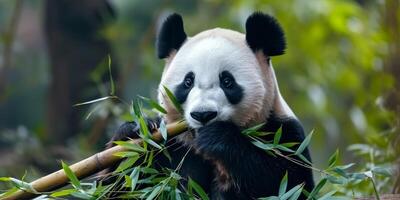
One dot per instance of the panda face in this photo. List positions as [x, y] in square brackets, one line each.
[216, 77]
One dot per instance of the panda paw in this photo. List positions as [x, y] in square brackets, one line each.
[217, 138]
[132, 130]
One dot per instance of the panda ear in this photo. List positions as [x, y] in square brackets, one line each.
[263, 32]
[171, 36]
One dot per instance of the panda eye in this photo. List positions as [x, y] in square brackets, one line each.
[188, 82]
[227, 82]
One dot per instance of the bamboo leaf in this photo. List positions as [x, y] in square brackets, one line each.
[293, 193]
[125, 154]
[154, 193]
[296, 194]
[23, 185]
[269, 198]
[131, 146]
[277, 136]
[304, 159]
[332, 160]
[327, 195]
[163, 130]
[154, 104]
[126, 164]
[173, 99]
[317, 188]
[252, 130]
[283, 184]
[95, 100]
[5, 179]
[111, 77]
[134, 177]
[382, 171]
[71, 176]
[198, 189]
[304, 144]
[262, 145]
[63, 193]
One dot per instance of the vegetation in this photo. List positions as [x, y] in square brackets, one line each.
[339, 76]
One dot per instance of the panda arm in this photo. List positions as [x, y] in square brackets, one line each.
[131, 130]
[251, 169]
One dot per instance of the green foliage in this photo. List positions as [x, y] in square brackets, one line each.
[140, 180]
[333, 76]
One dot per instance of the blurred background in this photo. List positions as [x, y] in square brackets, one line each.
[341, 74]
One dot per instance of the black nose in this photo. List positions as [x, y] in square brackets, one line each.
[203, 117]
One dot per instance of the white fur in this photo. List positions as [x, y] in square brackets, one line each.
[207, 55]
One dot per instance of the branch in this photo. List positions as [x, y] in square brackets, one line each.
[89, 166]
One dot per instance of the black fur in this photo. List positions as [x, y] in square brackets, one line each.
[234, 93]
[222, 160]
[182, 91]
[252, 173]
[264, 33]
[171, 36]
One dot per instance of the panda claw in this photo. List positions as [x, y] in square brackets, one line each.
[132, 130]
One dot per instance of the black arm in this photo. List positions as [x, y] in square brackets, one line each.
[251, 169]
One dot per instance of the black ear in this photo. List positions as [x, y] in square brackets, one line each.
[171, 36]
[264, 33]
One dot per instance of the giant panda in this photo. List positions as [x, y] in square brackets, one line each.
[225, 83]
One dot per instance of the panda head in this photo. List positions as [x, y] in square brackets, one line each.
[221, 74]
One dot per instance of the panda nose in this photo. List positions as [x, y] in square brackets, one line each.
[203, 117]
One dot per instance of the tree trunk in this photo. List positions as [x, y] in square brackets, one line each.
[75, 48]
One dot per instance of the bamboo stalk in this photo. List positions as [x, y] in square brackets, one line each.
[88, 166]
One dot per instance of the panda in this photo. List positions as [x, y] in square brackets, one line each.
[225, 83]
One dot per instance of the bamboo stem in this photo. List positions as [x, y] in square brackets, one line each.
[88, 166]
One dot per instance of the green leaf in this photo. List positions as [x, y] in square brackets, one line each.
[125, 154]
[293, 193]
[198, 189]
[262, 145]
[163, 130]
[111, 77]
[317, 188]
[131, 146]
[296, 194]
[304, 144]
[63, 193]
[332, 160]
[269, 198]
[283, 148]
[136, 107]
[289, 144]
[128, 181]
[23, 185]
[304, 159]
[96, 100]
[344, 167]
[71, 176]
[254, 129]
[154, 104]
[336, 180]
[154, 193]
[5, 179]
[340, 171]
[134, 177]
[152, 143]
[173, 99]
[126, 164]
[277, 136]
[283, 184]
[382, 171]
[327, 195]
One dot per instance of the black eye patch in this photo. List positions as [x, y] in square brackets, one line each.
[183, 89]
[232, 90]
